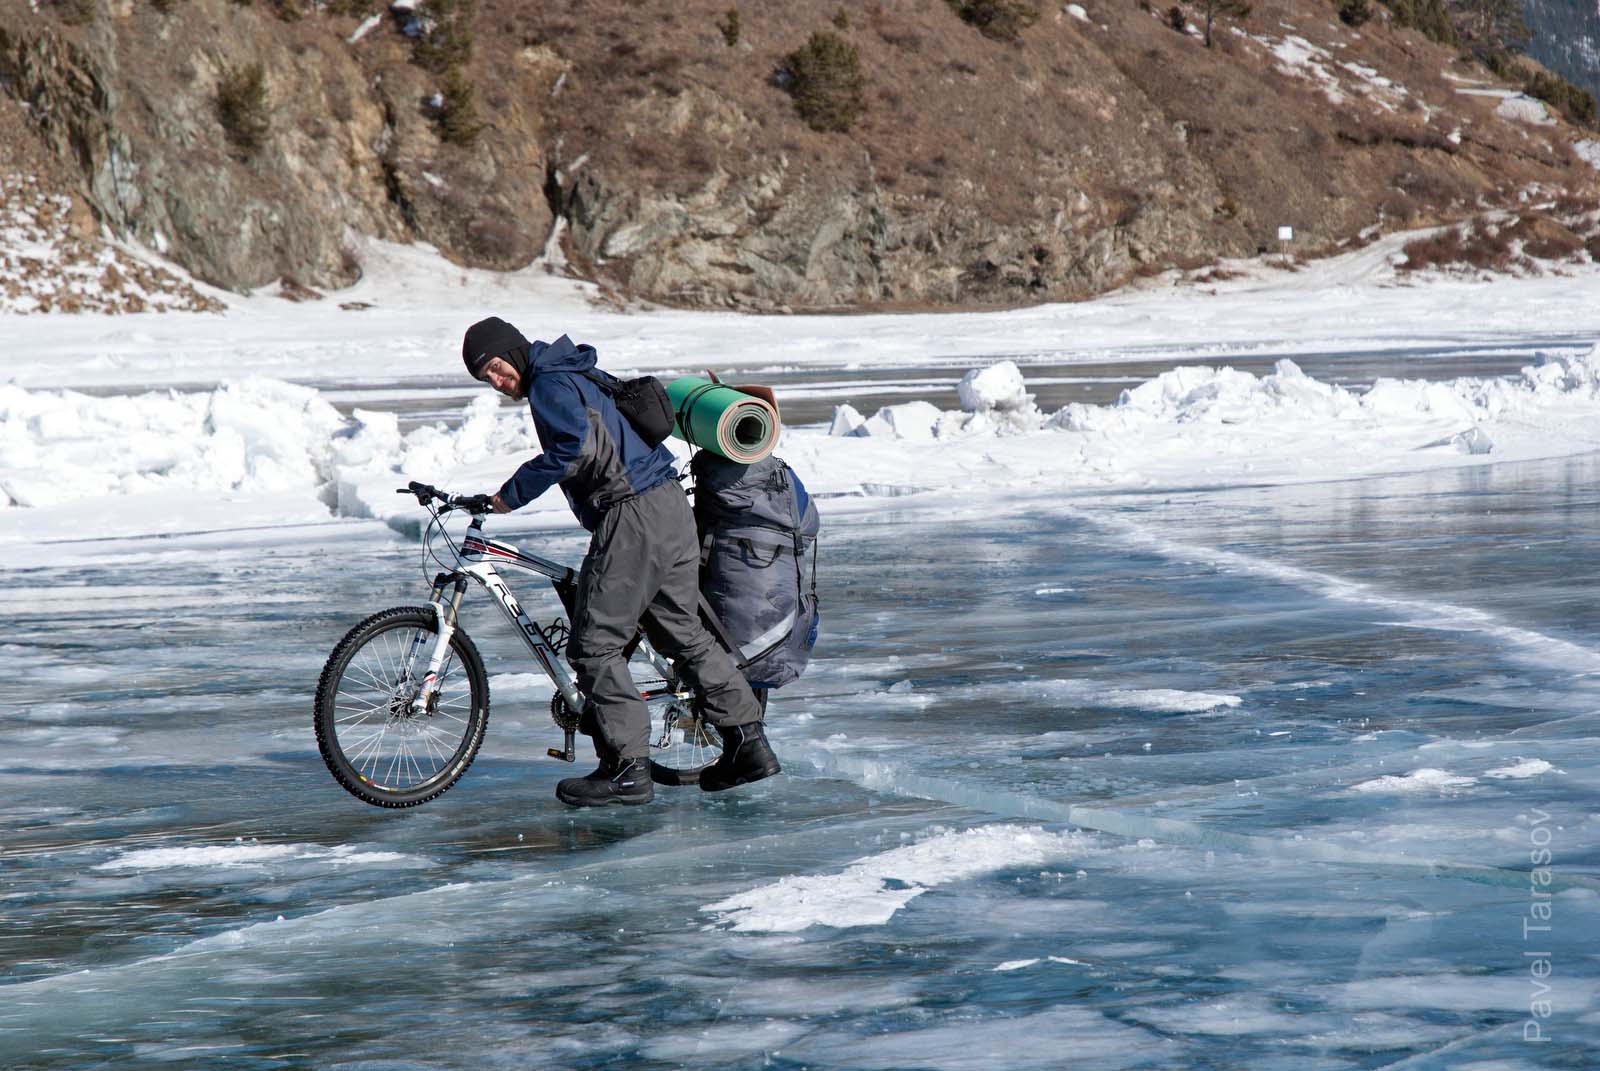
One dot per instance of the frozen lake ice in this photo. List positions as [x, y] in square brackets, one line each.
[1175, 738]
[1236, 778]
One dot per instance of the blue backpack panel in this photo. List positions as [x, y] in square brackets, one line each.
[758, 566]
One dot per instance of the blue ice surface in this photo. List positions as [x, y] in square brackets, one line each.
[1196, 697]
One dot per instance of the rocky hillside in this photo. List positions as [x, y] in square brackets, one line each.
[776, 154]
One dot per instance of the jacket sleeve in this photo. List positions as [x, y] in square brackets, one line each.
[563, 422]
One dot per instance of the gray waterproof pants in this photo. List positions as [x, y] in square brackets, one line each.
[644, 563]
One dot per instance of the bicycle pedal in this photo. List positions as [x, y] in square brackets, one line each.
[557, 753]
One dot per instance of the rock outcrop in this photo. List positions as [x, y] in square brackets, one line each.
[659, 146]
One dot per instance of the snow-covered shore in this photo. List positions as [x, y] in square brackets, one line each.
[244, 446]
[164, 460]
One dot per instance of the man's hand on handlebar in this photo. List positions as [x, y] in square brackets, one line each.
[475, 503]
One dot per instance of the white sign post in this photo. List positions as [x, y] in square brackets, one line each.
[1285, 236]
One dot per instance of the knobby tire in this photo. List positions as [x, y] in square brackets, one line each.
[338, 671]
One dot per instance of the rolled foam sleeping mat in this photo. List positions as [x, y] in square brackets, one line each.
[727, 421]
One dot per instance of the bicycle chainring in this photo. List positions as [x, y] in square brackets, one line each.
[564, 716]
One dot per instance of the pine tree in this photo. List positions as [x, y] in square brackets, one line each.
[458, 115]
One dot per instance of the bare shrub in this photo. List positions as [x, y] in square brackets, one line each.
[1400, 206]
[1437, 250]
[1569, 205]
[1484, 248]
[497, 240]
[1433, 186]
[1544, 238]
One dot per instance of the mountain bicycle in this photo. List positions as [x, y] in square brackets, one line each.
[403, 701]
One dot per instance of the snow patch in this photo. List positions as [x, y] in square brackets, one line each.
[1425, 781]
[871, 890]
[1298, 57]
[245, 855]
[367, 26]
[1524, 109]
[1520, 769]
[1090, 693]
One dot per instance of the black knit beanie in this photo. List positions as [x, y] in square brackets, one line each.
[491, 338]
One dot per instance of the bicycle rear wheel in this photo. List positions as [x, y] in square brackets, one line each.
[682, 743]
[378, 742]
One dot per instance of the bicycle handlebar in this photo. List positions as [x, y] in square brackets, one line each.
[427, 493]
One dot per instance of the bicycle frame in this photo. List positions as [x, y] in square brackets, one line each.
[479, 555]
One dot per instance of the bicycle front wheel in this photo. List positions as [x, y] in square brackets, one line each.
[381, 739]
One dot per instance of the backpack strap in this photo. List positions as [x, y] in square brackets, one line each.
[813, 567]
[593, 377]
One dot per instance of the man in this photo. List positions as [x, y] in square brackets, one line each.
[643, 559]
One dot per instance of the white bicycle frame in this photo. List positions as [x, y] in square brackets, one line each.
[479, 555]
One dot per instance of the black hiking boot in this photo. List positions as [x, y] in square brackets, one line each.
[613, 781]
[746, 756]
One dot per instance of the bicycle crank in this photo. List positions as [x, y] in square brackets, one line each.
[566, 720]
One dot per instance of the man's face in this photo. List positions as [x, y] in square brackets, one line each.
[499, 374]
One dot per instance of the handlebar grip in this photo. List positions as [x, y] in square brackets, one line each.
[424, 492]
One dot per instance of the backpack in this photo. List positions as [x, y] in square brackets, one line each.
[758, 566]
[643, 403]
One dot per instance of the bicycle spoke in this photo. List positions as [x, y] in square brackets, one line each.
[369, 708]
[368, 756]
[373, 681]
[390, 663]
[408, 763]
[434, 748]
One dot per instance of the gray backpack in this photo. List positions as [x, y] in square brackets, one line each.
[758, 565]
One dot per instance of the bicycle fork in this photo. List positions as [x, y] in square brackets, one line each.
[445, 614]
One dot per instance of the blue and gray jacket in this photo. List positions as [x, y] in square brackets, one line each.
[589, 447]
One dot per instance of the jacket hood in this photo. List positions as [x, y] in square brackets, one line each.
[562, 355]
